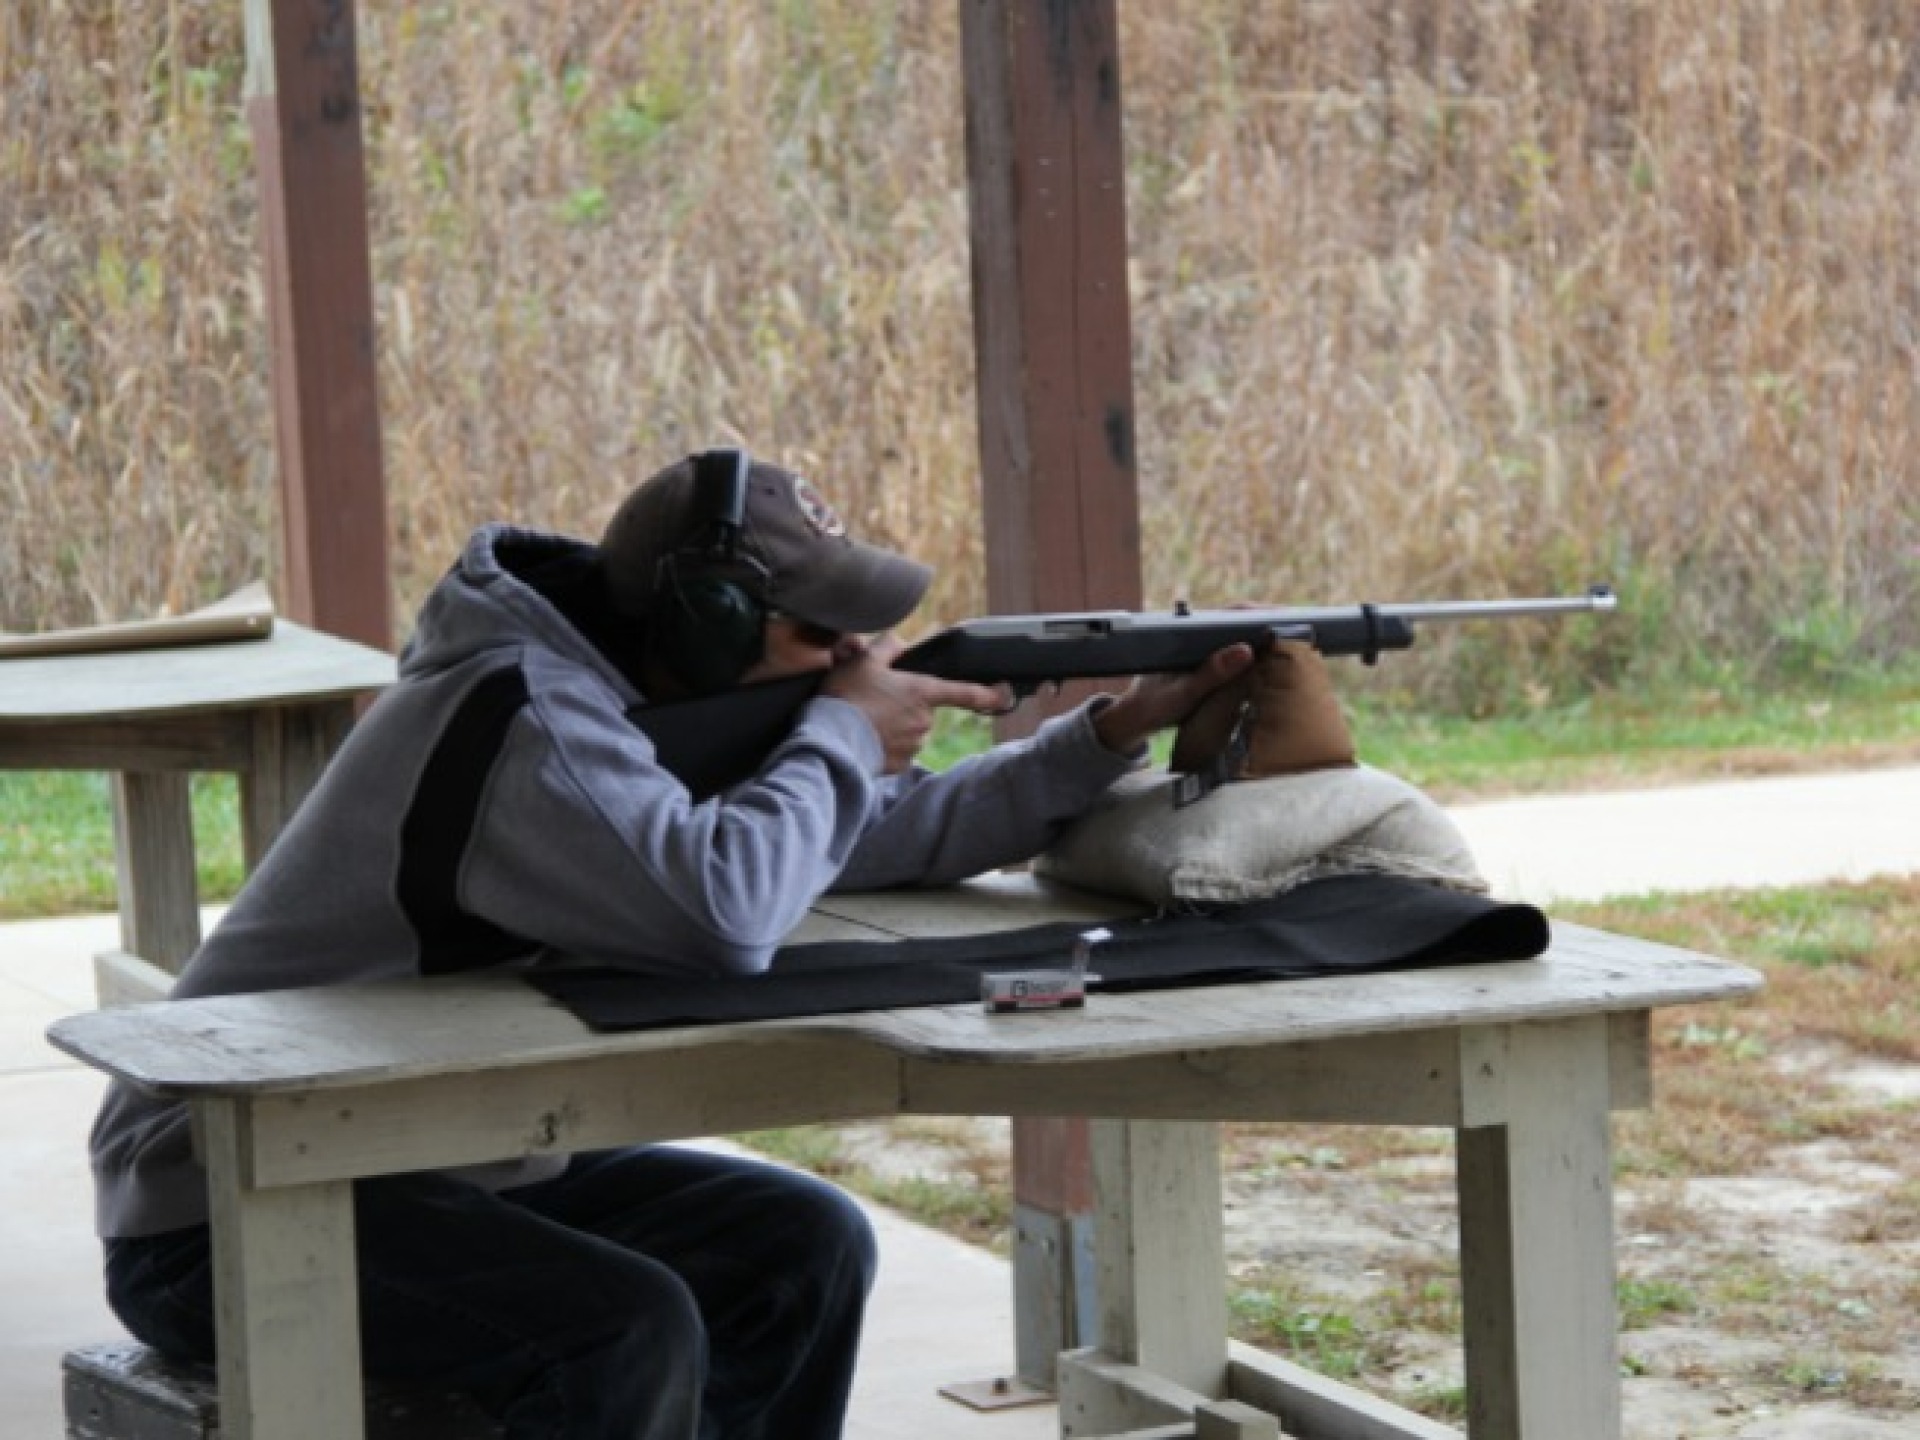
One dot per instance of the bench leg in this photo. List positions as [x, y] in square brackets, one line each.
[1161, 1280]
[154, 859]
[286, 1309]
[1159, 1251]
[1536, 1233]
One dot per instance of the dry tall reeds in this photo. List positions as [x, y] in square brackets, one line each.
[1431, 299]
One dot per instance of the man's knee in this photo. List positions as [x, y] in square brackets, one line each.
[838, 1234]
[636, 1366]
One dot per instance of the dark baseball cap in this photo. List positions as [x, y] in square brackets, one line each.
[801, 561]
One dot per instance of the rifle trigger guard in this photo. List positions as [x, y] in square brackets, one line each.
[1370, 617]
[1016, 693]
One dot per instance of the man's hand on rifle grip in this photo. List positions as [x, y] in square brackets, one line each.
[1153, 703]
[899, 704]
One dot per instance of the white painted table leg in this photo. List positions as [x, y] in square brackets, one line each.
[1160, 1261]
[286, 1307]
[1536, 1233]
[1159, 1251]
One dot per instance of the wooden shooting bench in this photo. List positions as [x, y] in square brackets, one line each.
[271, 711]
[297, 1093]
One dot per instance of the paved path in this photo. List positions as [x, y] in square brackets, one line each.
[943, 1312]
[1738, 834]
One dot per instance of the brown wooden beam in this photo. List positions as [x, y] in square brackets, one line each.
[303, 104]
[1060, 495]
[1052, 325]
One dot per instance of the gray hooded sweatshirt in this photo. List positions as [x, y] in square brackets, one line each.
[497, 804]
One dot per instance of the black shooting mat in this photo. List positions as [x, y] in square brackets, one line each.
[1341, 925]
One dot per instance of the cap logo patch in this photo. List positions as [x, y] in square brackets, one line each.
[821, 517]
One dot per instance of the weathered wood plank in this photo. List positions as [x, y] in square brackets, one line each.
[286, 1313]
[1158, 1247]
[304, 1039]
[493, 1114]
[153, 848]
[1101, 1396]
[294, 665]
[1386, 1079]
[179, 742]
[1317, 1408]
[123, 979]
[1536, 1236]
[1232, 1420]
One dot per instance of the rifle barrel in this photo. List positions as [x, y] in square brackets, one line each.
[1599, 598]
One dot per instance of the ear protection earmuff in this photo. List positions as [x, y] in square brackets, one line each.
[706, 626]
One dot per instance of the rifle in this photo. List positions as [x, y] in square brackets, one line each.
[1025, 652]
[715, 740]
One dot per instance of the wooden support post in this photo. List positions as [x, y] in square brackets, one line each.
[154, 859]
[303, 105]
[1053, 355]
[1055, 1295]
[1163, 1268]
[1052, 331]
[1536, 1233]
[286, 1310]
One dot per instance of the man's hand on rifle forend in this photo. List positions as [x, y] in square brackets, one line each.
[898, 703]
[1153, 703]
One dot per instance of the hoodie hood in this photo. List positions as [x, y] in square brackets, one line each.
[513, 588]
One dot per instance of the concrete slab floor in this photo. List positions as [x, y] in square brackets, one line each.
[50, 1296]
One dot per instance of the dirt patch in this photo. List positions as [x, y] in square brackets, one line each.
[1751, 1305]
[1774, 1303]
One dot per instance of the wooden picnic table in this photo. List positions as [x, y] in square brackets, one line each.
[270, 710]
[297, 1093]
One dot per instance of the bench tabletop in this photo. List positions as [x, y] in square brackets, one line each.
[371, 1034]
[292, 664]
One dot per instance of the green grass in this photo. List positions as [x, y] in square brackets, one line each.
[1283, 1315]
[1645, 1303]
[56, 840]
[1615, 740]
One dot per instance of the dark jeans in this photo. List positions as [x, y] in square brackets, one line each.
[653, 1294]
